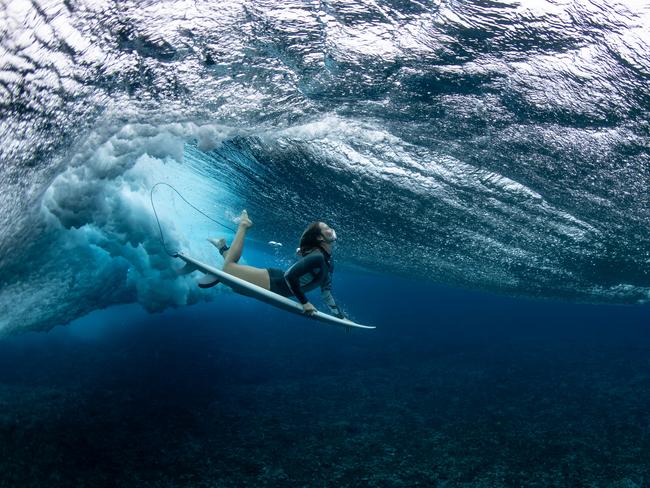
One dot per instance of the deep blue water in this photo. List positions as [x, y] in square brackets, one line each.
[453, 388]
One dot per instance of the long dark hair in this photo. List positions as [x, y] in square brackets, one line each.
[309, 239]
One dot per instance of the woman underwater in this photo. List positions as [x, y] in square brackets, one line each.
[313, 269]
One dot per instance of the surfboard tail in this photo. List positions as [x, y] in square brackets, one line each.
[207, 280]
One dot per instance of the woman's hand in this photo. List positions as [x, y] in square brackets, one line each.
[309, 309]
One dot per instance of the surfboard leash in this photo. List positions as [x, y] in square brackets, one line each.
[162, 237]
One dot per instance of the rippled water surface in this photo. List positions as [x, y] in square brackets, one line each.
[499, 145]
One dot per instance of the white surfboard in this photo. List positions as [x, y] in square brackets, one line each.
[254, 291]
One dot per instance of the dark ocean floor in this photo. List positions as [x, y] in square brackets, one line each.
[173, 400]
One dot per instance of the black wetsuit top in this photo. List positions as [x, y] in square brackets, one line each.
[313, 270]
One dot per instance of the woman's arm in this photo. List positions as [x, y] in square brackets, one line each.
[311, 263]
[326, 295]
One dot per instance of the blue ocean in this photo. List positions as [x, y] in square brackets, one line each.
[485, 164]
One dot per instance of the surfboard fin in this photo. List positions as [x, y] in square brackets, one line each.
[207, 281]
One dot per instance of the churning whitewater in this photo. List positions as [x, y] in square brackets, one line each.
[495, 145]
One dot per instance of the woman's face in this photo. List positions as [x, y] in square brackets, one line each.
[329, 234]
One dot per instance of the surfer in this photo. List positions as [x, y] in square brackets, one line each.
[313, 269]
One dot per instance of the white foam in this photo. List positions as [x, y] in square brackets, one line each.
[98, 242]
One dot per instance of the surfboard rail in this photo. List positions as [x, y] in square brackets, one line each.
[262, 294]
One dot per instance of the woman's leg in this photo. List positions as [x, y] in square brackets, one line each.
[257, 276]
[237, 246]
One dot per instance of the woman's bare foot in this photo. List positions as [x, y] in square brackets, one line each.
[244, 221]
[220, 244]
